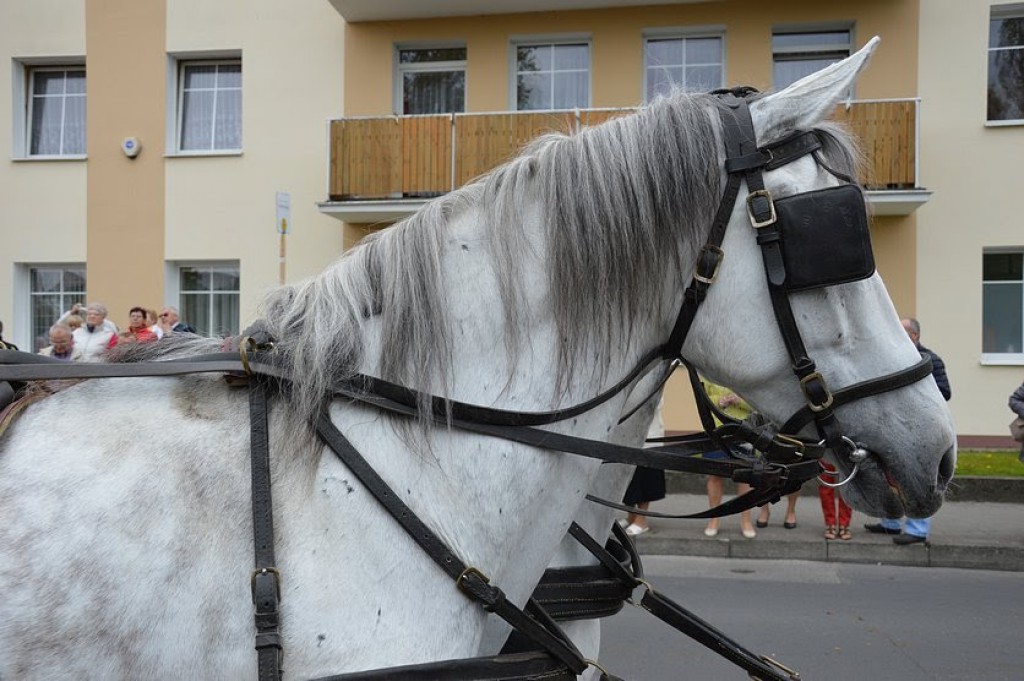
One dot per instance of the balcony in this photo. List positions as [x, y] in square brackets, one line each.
[382, 169]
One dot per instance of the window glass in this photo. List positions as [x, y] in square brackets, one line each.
[209, 298]
[692, 63]
[552, 76]
[1003, 303]
[53, 290]
[1006, 65]
[210, 116]
[56, 111]
[796, 54]
[433, 80]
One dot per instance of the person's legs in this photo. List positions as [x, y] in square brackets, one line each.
[827, 496]
[845, 512]
[746, 525]
[714, 499]
[791, 509]
[639, 520]
[919, 527]
[892, 523]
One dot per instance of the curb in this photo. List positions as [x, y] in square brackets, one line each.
[965, 488]
[864, 549]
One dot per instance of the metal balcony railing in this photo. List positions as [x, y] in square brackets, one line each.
[394, 157]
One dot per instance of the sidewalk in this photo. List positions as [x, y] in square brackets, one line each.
[965, 534]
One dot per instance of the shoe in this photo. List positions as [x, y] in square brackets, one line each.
[905, 539]
[789, 525]
[750, 533]
[623, 523]
[710, 531]
[830, 532]
[878, 528]
[635, 530]
[764, 523]
[845, 534]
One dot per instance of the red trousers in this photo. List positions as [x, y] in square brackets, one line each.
[830, 500]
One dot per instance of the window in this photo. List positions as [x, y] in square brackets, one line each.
[53, 289]
[690, 62]
[552, 76]
[56, 111]
[1002, 308]
[208, 297]
[796, 54]
[1006, 64]
[209, 105]
[431, 80]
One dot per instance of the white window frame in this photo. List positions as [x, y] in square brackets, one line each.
[23, 293]
[810, 49]
[173, 288]
[399, 70]
[515, 42]
[996, 11]
[1003, 358]
[175, 100]
[683, 34]
[22, 74]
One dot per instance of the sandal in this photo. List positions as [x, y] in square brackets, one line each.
[845, 534]
[830, 532]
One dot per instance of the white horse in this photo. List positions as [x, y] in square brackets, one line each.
[125, 522]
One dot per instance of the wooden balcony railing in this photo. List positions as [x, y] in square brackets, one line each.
[395, 157]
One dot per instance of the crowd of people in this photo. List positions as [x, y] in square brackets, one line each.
[84, 333]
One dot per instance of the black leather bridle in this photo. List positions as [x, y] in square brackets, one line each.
[783, 461]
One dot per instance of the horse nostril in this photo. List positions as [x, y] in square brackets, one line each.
[947, 466]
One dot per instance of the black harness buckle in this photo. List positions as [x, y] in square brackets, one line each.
[708, 262]
[816, 392]
[761, 208]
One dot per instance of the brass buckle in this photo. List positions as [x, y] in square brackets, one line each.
[719, 254]
[770, 220]
[792, 442]
[811, 405]
[265, 571]
[460, 582]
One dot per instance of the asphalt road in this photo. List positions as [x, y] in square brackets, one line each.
[828, 621]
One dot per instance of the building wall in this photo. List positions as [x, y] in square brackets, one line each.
[975, 172]
[129, 219]
[617, 80]
[617, 44]
[44, 202]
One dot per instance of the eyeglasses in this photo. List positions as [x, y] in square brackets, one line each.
[165, 314]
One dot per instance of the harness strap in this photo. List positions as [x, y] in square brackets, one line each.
[675, 615]
[678, 457]
[470, 580]
[868, 388]
[265, 583]
[529, 666]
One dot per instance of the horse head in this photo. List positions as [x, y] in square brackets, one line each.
[851, 330]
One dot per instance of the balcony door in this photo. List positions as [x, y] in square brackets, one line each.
[430, 80]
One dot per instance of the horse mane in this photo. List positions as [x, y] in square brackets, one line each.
[618, 202]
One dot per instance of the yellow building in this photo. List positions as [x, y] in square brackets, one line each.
[362, 110]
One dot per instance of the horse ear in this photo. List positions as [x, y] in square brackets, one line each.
[808, 101]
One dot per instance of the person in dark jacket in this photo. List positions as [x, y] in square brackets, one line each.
[916, 530]
[1017, 406]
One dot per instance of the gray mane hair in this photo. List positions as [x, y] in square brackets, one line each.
[621, 204]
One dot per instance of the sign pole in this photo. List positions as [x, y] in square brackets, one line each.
[284, 217]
